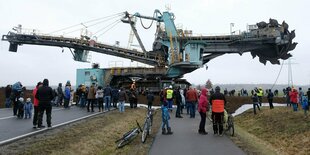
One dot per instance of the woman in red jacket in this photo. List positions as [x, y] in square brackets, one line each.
[36, 105]
[294, 98]
[202, 109]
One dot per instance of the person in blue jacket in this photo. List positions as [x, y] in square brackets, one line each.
[165, 119]
[305, 105]
[67, 94]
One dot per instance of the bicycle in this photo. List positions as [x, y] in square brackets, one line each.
[129, 136]
[228, 123]
[147, 125]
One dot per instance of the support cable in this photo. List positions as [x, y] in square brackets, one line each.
[86, 26]
[116, 21]
[109, 28]
[278, 75]
[69, 27]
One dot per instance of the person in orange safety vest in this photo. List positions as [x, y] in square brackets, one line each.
[218, 103]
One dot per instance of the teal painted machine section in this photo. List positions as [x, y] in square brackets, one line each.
[90, 75]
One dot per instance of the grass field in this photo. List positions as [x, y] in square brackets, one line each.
[96, 135]
[276, 131]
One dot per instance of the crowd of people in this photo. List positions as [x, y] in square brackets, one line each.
[193, 99]
[190, 99]
[294, 98]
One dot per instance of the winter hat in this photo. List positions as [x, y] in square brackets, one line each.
[68, 83]
[28, 99]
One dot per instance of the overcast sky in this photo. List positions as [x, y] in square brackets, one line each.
[34, 63]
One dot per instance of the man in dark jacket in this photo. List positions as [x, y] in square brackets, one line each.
[60, 95]
[150, 99]
[270, 98]
[45, 95]
[178, 101]
[218, 102]
[107, 93]
[115, 97]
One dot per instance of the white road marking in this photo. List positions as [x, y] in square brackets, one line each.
[8, 117]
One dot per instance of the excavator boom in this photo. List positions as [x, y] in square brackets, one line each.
[177, 50]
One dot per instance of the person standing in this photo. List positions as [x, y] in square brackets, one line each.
[260, 94]
[270, 98]
[45, 95]
[165, 119]
[91, 97]
[107, 97]
[35, 105]
[287, 96]
[255, 103]
[67, 94]
[183, 100]
[122, 97]
[191, 99]
[178, 101]
[169, 97]
[60, 95]
[294, 98]
[15, 95]
[99, 96]
[305, 105]
[150, 99]
[20, 111]
[28, 108]
[218, 103]
[202, 109]
[83, 96]
[8, 91]
[115, 97]
[132, 98]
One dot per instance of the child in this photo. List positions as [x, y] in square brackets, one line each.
[305, 105]
[28, 108]
[255, 103]
[165, 119]
[20, 105]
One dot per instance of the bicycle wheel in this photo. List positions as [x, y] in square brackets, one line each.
[122, 143]
[128, 139]
[144, 132]
[231, 128]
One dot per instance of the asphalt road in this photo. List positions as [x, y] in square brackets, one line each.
[12, 128]
[186, 140]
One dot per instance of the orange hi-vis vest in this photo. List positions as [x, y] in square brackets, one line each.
[217, 105]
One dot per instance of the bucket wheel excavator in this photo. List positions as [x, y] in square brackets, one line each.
[177, 51]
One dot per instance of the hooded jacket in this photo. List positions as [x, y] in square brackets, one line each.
[203, 101]
[293, 96]
[35, 100]
[45, 93]
[218, 102]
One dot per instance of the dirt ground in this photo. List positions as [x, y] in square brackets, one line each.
[95, 135]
